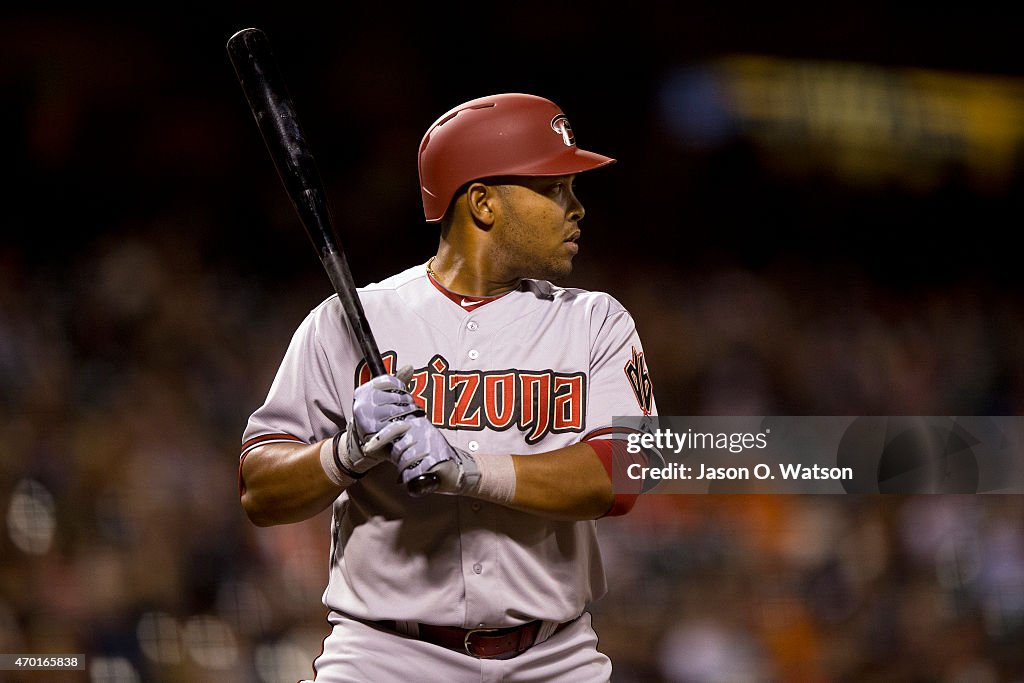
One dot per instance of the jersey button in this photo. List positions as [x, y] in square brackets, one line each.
[477, 568]
[473, 446]
[476, 506]
[472, 325]
[473, 354]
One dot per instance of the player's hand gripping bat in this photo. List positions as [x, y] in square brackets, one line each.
[272, 106]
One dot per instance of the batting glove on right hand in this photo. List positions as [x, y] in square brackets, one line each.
[378, 406]
[417, 447]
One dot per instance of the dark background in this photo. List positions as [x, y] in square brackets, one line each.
[152, 271]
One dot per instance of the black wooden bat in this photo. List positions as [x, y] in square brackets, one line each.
[271, 104]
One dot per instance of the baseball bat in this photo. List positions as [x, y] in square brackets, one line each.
[271, 104]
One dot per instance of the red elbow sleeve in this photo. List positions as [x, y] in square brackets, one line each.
[616, 461]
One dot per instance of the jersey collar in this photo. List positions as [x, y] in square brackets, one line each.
[466, 303]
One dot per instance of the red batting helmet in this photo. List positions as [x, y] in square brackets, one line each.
[509, 134]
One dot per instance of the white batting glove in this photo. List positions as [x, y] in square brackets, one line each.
[377, 405]
[417, 446]
[344, 461]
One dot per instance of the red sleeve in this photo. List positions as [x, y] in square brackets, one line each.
[616, 460]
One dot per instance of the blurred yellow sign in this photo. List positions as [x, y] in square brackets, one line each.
[872, 123]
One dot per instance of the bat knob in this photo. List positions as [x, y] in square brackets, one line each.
[423, 485]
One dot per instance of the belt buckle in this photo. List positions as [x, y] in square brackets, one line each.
[469, 634]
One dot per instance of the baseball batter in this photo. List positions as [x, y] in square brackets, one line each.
[503, 384]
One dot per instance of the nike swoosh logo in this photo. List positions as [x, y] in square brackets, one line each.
[467, 304]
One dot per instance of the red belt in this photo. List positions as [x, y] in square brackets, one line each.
[483, 643]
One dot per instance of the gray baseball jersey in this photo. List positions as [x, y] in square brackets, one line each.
[533, 370]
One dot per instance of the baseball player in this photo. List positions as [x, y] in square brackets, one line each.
[503, 385]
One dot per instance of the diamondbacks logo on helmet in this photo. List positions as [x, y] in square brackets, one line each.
[560, 125]
[640, 380]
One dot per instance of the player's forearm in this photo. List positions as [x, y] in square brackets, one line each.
[569, 483]
[285, 483]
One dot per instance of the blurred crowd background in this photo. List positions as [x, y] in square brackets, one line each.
[813, 213]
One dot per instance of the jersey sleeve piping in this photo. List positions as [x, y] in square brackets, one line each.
[268, 438]
[252, 443]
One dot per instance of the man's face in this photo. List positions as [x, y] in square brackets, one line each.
[535, 235]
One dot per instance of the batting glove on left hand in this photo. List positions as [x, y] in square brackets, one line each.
[417, 447]
[375, 408]
[383, 399]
